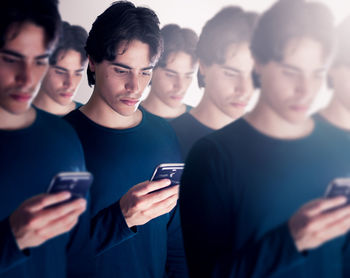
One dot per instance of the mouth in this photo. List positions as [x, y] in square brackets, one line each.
[21, 97]
[66, 95]
[299, 108]
[239, 104]
[178, 98]
[130, 102]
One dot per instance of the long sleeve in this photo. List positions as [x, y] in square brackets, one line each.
[10, 254]
[176, 262]
[208, 208]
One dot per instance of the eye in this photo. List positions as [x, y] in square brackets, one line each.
[146, 73]
[230, 74]
[169, 74]
[60, 72]
[41, 62]
[8, 60]
[78, 73]
[120, 71]
[290, 73]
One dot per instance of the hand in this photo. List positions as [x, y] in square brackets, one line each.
[313, 225]
[140, 205]
[32, 223]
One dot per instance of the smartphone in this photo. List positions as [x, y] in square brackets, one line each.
[338, 187]
[77, 183]
[171, 171]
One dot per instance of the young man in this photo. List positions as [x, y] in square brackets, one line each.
[337, 112]
[63, 77]
[224, 73]
[241, 184]
[34, 146]
[123, 145]
[173, 74]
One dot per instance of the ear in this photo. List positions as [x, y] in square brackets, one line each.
[258, 67]
[202, 68]
[91, 64]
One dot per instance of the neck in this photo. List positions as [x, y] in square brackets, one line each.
[10, 121]
[101, 113]
[337, 114]
[209, 114]
[155, 106]
[46, 103]
[267, 121]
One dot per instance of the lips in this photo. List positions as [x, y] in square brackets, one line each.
[130, 102]
[299, 108]
[177, 97]
[66, 95]
[21, 97]
[239, 104]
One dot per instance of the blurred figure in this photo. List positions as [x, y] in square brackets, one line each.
[35, 240]
[338, 111]
[242, 184]
[123, 145]
[63, 77]
[173, 74]
[225, 67]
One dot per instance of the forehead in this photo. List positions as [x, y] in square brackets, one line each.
[134, 54]
[180, 61]
[305, 53]
[239, 56]
[69, 58]
[27, 39]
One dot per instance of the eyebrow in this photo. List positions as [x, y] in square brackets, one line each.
[290, 67]
[129, 68]
[231, 69]
[175, 72]
[21, 56]
[64, 69]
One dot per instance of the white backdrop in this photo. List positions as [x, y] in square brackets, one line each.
[186, 13]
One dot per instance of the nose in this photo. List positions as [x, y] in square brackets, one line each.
[68, 81]
[25, 76]
[132, 83]
[179, 84]
[244, 86]
[305, 87]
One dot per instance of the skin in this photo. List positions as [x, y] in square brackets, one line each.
[228, 88]
[338, 110]
[169, 86]
[60, 83]
[288, 89]
[23, 63]
[114, 103]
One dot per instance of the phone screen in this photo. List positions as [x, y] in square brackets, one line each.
[77, 183]
[171, 171]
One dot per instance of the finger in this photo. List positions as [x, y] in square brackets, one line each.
[321, 221]
[51, 214]
[152, 186]
[60, 225]
[163, 206]
[335, 229]
[321, 205]
[161, 195]
[43, 200]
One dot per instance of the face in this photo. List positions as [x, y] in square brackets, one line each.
[121, 83]
[23, 63]
[170, 83]
[62, 80]
[229, 85]
[289, 87]
[340, 77]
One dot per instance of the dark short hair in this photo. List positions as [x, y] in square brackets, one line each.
[342, 56]
[176, 39]
[122, 22]
[288, 19]
[72, 37]
[43, 13]
[231, 25]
